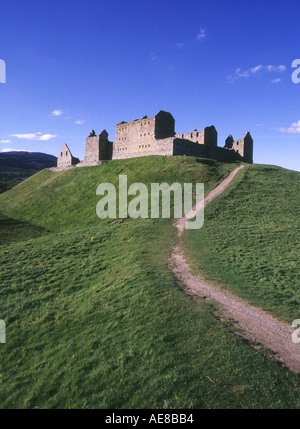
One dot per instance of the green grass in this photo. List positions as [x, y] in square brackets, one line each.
[251, 238]
[7, 185]
[56, 201]
[94, 316]
[13, 231]
[101, 323]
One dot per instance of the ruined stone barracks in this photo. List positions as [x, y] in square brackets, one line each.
[156, 136]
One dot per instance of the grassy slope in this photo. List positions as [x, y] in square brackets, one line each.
[7, 185]
[100, 322]
[13, 231]
[68, 199]
[251, 238]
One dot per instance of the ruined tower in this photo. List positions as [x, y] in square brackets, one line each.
[243, 147]
[97, 148]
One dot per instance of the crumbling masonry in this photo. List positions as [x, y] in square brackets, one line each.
[156, 136]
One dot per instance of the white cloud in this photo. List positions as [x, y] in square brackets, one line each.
[275, 68]
[201, 35]
[240, 73]
[34, 136]
[276, 80]
[7, 149]
[80, 122]
[57, 112]
[5, 141]
[255, 70]
[180, 45]
[268, 68]
[293, 129]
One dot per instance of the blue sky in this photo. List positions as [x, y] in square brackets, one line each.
[73, 65]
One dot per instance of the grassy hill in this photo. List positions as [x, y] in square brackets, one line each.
[68, 199]
[250, 241]
[94, 317]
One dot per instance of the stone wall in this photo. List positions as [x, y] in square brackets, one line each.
[196, 136]
[161, 147]
[134, 137]
[208, 136]
[248, 147]
[243, 147]
[141, 137]
[98, 148]
[164, 125]
[188, 148]
[65, 158]
[92, 149]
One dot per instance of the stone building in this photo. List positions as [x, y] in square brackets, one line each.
[97, 149]
[156, 136]
[65, 158]
[142, 137]
[243, 147]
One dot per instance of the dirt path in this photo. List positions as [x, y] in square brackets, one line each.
[255, 323]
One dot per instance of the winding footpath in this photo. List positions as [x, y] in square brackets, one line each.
[256, 325]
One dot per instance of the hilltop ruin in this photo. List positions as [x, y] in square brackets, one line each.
[156, 136]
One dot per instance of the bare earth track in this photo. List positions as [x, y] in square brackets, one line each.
[255, 323]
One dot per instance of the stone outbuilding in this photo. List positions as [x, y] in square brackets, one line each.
[65, 158]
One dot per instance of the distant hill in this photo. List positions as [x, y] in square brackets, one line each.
[18, 166]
